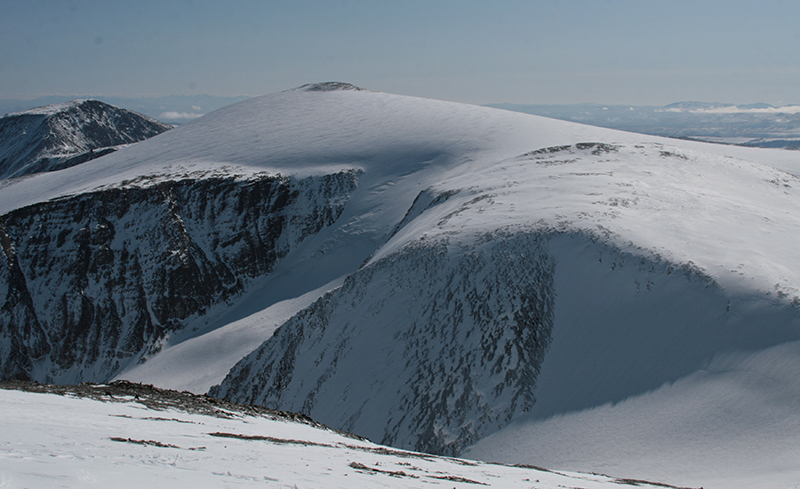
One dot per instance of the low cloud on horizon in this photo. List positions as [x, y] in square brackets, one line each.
[171, 115]
[787, 109]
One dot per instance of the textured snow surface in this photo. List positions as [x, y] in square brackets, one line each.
[495, 272]
[49, 441]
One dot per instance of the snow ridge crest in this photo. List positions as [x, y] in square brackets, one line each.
[56, 108]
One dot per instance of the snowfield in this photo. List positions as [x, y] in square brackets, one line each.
[447, 278]
[122, 441]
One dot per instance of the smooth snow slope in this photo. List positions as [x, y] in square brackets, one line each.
[733, 424]
[669, 256]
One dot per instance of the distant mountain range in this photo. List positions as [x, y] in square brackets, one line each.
[758, 125]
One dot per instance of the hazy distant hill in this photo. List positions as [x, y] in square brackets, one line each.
[759, 125]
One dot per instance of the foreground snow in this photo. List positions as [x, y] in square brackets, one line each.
[47, 440]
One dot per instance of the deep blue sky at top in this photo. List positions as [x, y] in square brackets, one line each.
[556, 51]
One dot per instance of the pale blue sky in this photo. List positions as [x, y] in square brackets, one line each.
[614, 51]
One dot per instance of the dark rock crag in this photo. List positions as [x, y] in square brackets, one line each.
[92, 282]
[428, 348]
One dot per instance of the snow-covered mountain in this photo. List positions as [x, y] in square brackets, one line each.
[67, 134]
[431, 275]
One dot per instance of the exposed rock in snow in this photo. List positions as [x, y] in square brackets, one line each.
[328, 87]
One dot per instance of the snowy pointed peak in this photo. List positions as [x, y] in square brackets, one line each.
[61, 135]
[83, 106]
[56, 108]
[329, 87]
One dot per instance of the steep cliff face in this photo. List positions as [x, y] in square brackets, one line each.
[428, 348]
[91, 282]
[64, 135]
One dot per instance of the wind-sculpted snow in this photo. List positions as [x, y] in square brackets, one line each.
[428, 348]
[90, 282]
[63, 135]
